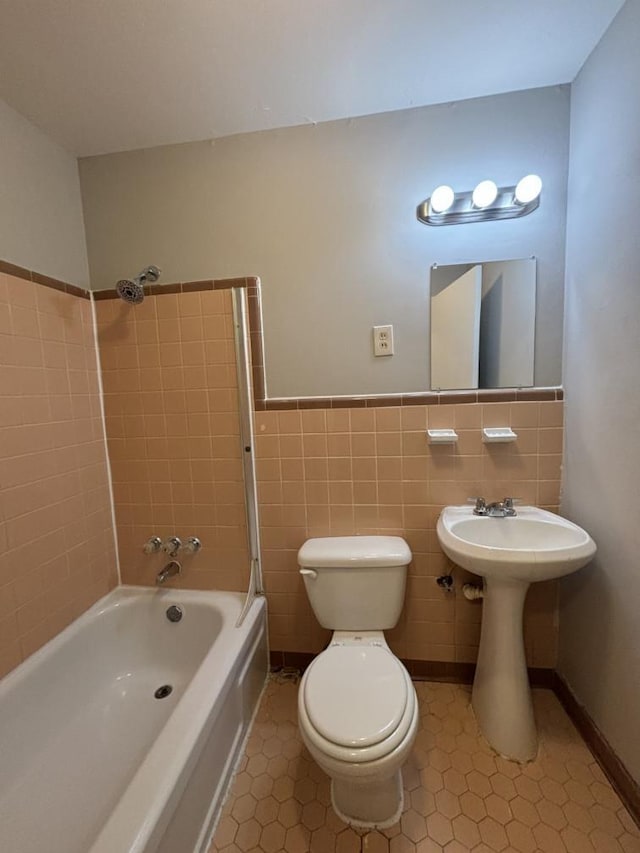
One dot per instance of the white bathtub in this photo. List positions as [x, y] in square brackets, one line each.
[92, 762]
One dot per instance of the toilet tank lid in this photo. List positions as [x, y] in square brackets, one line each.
[354, 552]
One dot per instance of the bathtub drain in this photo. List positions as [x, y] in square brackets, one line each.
[163, 692]
[174, 613]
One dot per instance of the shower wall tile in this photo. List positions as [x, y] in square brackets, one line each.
[57, 552]
[329, 472]
[171, 404]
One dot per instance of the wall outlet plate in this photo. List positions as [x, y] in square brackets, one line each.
[382, 340]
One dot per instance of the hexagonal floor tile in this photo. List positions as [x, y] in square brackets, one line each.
[459, 796]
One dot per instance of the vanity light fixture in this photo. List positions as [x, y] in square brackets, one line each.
[484, 194]
[486, 201]
[442, 198]
[527, 189]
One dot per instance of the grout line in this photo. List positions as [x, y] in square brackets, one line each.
[104, 433]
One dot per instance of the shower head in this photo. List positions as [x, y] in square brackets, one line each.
[131, 290]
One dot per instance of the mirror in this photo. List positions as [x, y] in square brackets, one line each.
[483, 319]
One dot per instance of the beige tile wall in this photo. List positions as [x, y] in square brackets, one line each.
[173, 432]
[358, 471]
[171, 406]
[56, 539]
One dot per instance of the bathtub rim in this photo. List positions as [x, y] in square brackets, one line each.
[144, 807]
[121, 591]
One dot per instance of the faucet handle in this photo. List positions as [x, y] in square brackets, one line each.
[171, 546]
[192, 545]
[509, 505]
[480, 507]
[153, 545]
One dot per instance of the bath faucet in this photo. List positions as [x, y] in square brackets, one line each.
[170, 570]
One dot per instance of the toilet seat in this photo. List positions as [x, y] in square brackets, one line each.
[355, 696]
[356, 702]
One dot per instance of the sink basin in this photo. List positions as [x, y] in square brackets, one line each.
[534, 545]
[510, 553]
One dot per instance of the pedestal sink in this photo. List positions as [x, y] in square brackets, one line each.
[510, 553]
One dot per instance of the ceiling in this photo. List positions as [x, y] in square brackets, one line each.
[109, 75]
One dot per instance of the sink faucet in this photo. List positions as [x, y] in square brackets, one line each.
[497, 509]
[501, 509]
[170, 570]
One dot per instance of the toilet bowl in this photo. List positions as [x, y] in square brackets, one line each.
[357, 707]
[358, 717]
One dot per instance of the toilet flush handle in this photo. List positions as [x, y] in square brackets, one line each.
[310, 573]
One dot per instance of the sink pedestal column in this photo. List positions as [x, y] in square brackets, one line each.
[501, 695]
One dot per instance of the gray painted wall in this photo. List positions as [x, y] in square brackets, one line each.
[325, 215]
[41, 226]
[507, 324]
[600, 611]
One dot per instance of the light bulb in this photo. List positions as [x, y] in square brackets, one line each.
[441, 199]
[484, 194]
[528, 189]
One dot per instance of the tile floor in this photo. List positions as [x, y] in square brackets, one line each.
[459, 796]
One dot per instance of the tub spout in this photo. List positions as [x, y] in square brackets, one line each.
[170, 570]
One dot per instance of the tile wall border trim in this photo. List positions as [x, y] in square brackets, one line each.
[426, 398]
[185, 287]
[45, 280]
[456, 672]
[279, 404]
[621, 780]
[263, 403]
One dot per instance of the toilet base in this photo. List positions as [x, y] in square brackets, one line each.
[371, 805]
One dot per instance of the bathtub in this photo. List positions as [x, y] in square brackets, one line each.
[92, 762]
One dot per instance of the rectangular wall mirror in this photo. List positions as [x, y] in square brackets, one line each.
[483, 318]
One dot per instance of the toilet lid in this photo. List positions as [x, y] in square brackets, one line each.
[355, 695]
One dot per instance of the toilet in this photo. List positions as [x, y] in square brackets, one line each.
[357, 707]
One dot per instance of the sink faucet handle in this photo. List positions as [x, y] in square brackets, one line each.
[509, 505]
[480, 507]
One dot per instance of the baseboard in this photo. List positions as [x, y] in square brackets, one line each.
[621, 780]
[290, 660]
[455, 672]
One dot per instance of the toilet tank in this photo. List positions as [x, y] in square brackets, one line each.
[355, 583]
